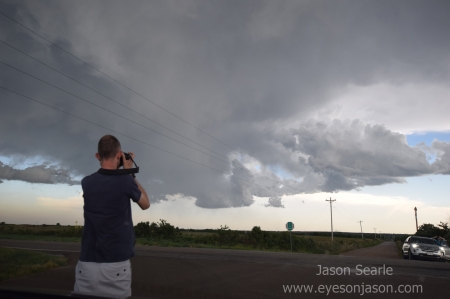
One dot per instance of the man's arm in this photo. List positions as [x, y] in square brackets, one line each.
[143, 202]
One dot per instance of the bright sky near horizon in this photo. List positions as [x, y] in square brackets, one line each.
[301, 101]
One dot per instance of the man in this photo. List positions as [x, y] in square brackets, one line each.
[438, 240]
[107, 244]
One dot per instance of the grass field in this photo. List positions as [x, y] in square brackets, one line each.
[40, 238]
[324, 245]
[19, 262]
[224, 239]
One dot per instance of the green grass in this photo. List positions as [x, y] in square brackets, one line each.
[41, 231]
[40, 238]
[324, 244]
[171, 243]
[265, 241]
[321, 244]
[18, 262]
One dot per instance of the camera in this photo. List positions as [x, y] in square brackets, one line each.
[127, 157]
[118, 171]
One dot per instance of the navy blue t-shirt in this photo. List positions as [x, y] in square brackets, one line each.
[108, 234]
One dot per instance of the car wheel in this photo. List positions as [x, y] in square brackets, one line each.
[410, 255]
[405, 256]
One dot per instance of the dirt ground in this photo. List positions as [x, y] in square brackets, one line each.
[387, 250]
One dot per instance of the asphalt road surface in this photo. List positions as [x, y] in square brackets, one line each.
[167, 272]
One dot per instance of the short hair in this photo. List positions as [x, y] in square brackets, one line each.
[108, 147]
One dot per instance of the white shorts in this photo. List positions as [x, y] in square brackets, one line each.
[103, 279]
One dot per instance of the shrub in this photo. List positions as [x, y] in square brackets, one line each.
[429, 230]
[69, 232]
[162, 230]
[165, 230]
[400, 238]
[142, 229]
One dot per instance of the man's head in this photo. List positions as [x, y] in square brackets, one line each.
[109, 150]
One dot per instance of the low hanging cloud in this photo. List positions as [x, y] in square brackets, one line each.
[346, 155]
[332, 156]
[40, 174]
[318, 156]
[235, 191]
[275, 202]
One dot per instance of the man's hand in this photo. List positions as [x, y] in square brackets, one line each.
[127, 164]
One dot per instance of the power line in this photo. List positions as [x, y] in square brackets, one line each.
[132, 138]
[50, 106]
[107, 97]
[112, 112]
[148, 144]
[135, 92]
[315, 218]
[345, 213]
[220, 171]
[74, 56]
[67, 76]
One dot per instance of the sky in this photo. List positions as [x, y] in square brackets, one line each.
[240, 113]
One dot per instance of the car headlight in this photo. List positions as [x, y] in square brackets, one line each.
[441, 248]
[415, 245]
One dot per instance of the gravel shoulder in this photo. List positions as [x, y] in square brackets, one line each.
[388, 250]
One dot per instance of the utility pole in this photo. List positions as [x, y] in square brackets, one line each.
[375, 230]
[362, 236]
[331, 210]
[417, 226]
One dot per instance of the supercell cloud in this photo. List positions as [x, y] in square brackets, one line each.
[265, 79]
[41, 174]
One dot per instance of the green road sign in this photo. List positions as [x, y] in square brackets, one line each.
[289, 226]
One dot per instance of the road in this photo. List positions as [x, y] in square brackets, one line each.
[167, 272]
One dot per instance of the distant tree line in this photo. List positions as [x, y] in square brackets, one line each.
[162, 233]
[224, 237]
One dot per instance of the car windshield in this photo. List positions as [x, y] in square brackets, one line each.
[423, 241]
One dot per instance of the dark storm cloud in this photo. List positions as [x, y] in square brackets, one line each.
[243, 71]
[235, 192]
[41, 174]
[275, 202]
